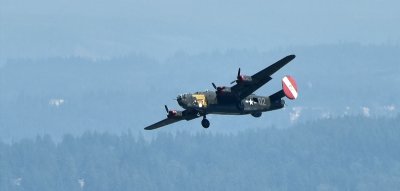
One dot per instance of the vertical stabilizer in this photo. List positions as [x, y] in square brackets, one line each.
[289, 87]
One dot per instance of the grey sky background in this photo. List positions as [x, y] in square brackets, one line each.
[104, 29]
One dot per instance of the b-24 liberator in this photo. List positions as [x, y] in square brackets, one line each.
[236, 100]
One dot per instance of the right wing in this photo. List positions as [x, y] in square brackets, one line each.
[260, 78]
[181, 115]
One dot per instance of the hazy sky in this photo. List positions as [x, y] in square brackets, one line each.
[100, 28]
[167, 29]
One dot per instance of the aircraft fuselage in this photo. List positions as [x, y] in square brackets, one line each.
[222, 102]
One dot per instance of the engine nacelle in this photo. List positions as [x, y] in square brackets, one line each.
[240, 79]
[173, 114]
[256, 114]
[223, 89]
[244, 79]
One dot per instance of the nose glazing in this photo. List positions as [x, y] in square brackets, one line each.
[179, 99]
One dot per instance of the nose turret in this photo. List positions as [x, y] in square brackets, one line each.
[179, 99]
[182, 100]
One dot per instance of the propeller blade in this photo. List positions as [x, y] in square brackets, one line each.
[166, 108]
[237, 77]
[215, 87]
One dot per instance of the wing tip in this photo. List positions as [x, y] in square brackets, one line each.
[291, 57]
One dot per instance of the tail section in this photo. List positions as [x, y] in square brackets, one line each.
[289, 89]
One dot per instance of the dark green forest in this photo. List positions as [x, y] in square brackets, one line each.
[348, 153]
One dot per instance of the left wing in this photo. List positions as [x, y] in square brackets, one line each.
[175, 117]
[243, 90]
[162, 123]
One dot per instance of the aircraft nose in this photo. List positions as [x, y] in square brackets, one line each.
[179, 99]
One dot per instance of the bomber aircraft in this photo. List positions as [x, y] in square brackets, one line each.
[236, 100]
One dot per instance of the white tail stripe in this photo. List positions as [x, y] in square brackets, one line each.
[289, 85]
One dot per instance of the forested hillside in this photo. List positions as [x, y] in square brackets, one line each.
[349, 153]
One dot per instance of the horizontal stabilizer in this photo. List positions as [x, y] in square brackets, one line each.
[277, 96]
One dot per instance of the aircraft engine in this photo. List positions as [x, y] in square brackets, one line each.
[244, 79]
[172, 113]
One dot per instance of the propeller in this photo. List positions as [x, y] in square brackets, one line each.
[166, 109]
[237, 78]
[218, 88]
[215, 87]
[170, 113]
